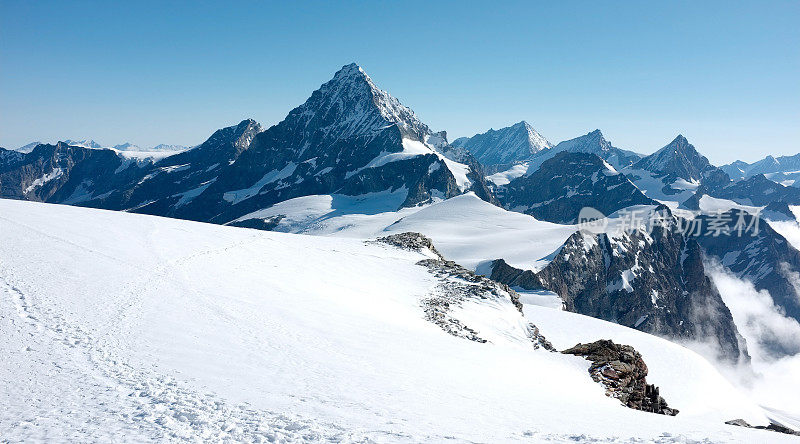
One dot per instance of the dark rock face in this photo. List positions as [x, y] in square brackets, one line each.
[778, 211]
[477, 172]
[64, 174]
[623, 372]
[783, 169]
[772, 426]
[680, 160]
[563, 185]
[652, 282]
[173, 182]
[764, 258]
[758, 190]
[349, 138]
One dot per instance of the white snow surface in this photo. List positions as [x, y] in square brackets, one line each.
[195, 332]
[504, 177]
[652, 186]
[464, 228]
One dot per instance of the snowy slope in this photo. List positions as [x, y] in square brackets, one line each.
[134, 327]
[465, 228]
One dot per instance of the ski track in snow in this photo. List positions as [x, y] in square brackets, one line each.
[67, 380]
[163, 408]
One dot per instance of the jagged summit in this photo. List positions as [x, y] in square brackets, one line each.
[351, 68]
[592, 142]
[516, 143]
[679, 158]
[350, 103]
[237, 136]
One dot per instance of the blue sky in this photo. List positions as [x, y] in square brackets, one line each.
[724, 74]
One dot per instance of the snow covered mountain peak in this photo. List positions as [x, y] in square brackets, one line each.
[86, 143]
[127, 146]
[28, 147]
[350, 103]
[679, 158]
[592, 142]
[516, 143]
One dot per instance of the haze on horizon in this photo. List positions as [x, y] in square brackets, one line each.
[724, 75]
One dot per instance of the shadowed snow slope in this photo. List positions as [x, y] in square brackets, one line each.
[132, 327]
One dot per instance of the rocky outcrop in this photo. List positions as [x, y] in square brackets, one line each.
[458, 286]
[772, 426]
[778, 211]
[63, 173]
[412, 241]
[623, 372]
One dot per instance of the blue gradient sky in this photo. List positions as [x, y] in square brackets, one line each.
[725, 74]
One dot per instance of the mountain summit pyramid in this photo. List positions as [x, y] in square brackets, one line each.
[515, 143]
[349, 137]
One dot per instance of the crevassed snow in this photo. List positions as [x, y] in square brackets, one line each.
[237, 196]
[197, 332]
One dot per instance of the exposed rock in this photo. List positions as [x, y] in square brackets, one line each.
[623, 372]
[749, 247]
[758, 190]
[784, 169]
[568, 182]
[772, 426]
[591, 143]
[265, 224]
[680, 160]
[349, 137]
[653, 281]
[505, 146]
[778, 211]
[456, 286]
[411, 241]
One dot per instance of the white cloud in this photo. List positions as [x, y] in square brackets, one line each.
[773, 341]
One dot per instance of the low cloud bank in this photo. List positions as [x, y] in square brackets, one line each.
[773, 340]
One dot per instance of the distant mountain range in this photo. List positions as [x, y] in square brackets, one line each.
[784, 169]
[124, 147]
[359, 151]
